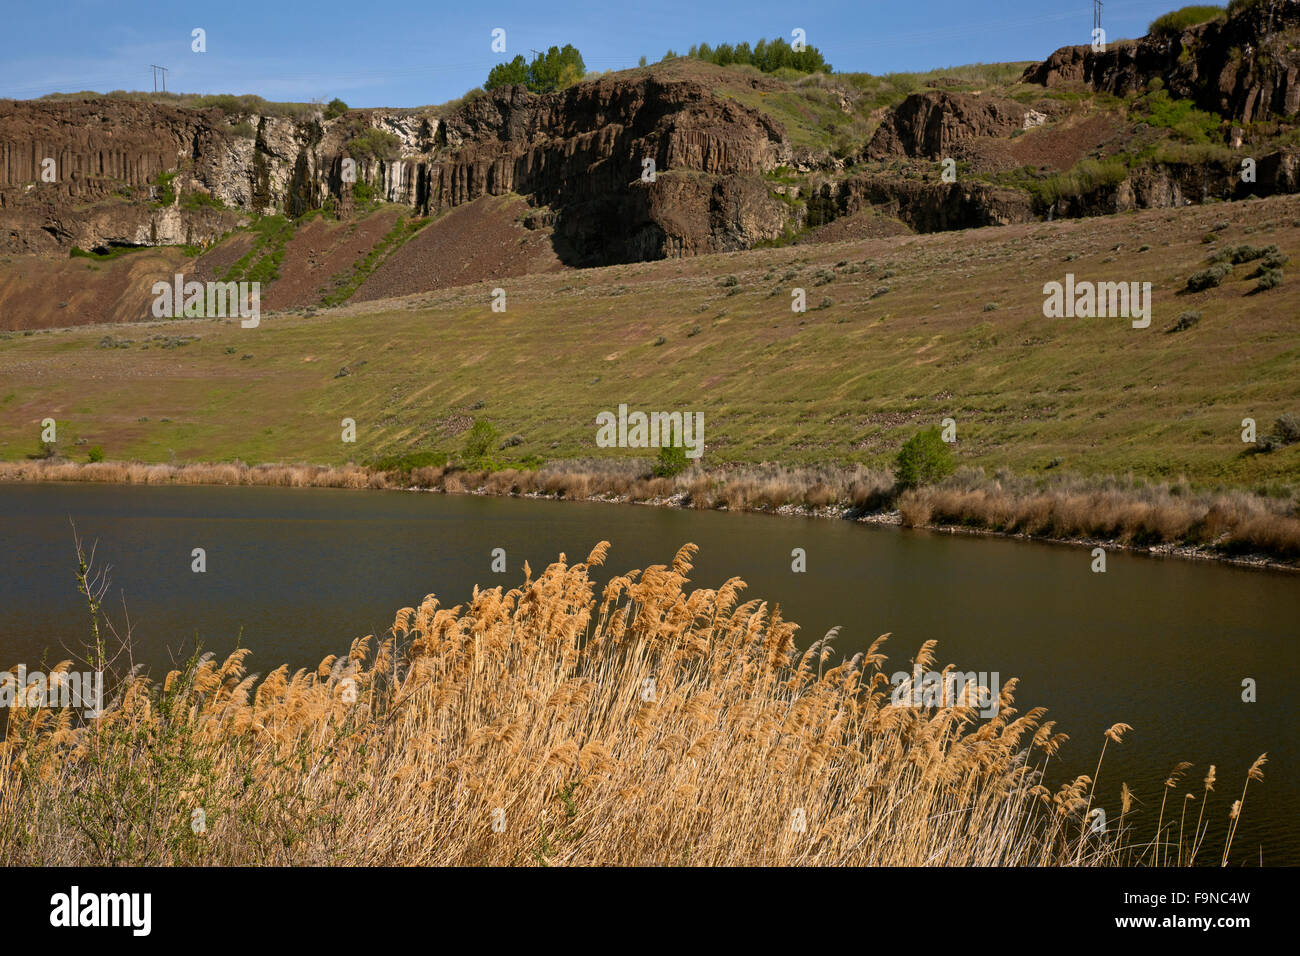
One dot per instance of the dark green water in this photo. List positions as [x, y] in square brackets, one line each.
[1160, 644]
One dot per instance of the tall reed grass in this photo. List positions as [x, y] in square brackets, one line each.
[1127, 512]
[549, 724]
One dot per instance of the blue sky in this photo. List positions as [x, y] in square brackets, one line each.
[400, 53]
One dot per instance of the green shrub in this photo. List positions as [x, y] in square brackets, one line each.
[1185, 321]
[95, 453]
[1286, 430]
[925, 459]
[1269, 279]
[335, 108]
[1208, 278]
[672, 461]
[481, 438]
[373, 144]
[1245, 253]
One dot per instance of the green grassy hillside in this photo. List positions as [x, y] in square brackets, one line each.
[899, 334]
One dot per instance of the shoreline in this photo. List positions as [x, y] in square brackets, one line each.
[559, 485]
[893, 519]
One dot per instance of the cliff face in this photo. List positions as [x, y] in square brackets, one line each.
[1246, 67]
[580, 152]
[100, 160]
[928, 125]
[138, 173]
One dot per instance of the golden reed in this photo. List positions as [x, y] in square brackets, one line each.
[550, 724]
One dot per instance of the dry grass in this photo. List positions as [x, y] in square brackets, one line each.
[545, 725]
[1234, 522]
[237, 473]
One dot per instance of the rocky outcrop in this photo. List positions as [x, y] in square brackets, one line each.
[1170, 185]
[1245, 67]
[582, 152]
[928, 125]
[71, 175]
[925, 206]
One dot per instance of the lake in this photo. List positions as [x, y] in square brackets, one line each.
[295, 574]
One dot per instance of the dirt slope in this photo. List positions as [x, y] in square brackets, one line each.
[485, 240]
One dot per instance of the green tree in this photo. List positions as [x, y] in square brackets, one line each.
[555, 69]
[767, 56]
[335, 108]
[925, 459]
[480, 440]
[672, 461]
[514, 73]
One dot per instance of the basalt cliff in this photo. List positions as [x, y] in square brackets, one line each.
[584, 155]
[677, 159]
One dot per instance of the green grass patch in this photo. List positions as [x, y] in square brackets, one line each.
[113, 252]
[1190, 124]
[1176, 21]
[166, 193]
[262, 262]
[402, 230]
[195, 201]
[405, 462]
[1085, 177]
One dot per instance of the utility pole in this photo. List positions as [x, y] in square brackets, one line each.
[156, 71]
[1096, 16]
